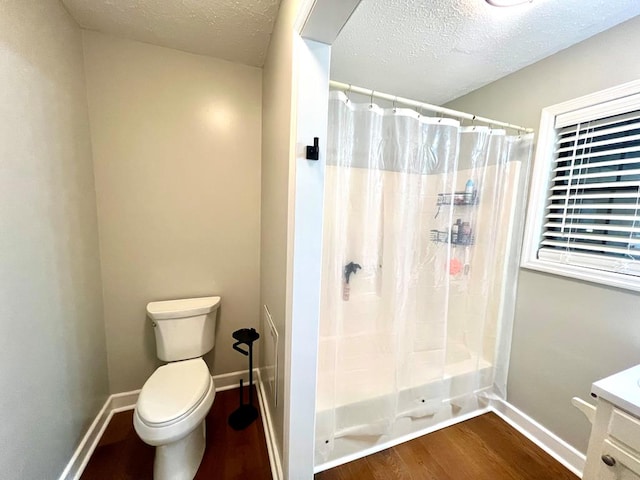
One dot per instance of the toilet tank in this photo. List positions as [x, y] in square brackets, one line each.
[184, 328]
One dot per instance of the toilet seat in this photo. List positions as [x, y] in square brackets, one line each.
[173, 392]
[161, 420]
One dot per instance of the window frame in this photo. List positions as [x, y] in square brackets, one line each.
[598, 103]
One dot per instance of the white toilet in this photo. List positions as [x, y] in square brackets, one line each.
[175, 400]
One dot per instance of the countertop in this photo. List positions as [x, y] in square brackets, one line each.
[621, 390]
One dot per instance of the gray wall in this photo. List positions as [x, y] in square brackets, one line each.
[176, 147]
[567, 333]
[53, 373]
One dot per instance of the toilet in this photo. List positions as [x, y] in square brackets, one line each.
[173, 403]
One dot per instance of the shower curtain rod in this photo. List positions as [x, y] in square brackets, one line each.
[434, 108]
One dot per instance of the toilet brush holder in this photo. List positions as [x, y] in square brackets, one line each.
[246, 413]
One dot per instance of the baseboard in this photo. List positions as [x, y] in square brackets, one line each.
[124, 401]
[120, 402]
[557, 448]
[397, 441]
[267, 423]
[229, 381]
[87, 445]
[560, 450]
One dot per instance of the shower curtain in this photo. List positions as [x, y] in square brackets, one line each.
[422, 226]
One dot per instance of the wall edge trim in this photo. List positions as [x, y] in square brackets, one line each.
[397, 441]
[270, 435]
[87, 445]
[553, 445]
[556, 447]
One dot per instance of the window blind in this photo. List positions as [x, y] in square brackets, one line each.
[592, 217]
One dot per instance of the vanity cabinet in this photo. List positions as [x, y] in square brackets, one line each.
[614, 444]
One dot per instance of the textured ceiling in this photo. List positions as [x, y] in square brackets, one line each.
[438, 50]
[235, 30]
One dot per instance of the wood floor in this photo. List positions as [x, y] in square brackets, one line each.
[230, 455]
[483, 448]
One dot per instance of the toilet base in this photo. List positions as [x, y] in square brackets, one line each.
[180, 460]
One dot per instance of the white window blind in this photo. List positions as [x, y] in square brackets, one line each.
[592, 216]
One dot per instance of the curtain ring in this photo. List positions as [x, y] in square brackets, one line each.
[371, 100]
[347, 92]
[394, 105]
[473, 123]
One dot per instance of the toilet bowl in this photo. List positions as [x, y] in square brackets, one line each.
[170, 415]
[174, 402]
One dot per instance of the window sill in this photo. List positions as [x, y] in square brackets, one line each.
[590, 275]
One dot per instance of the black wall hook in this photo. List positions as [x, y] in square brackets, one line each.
[350, 268]
[313, 151]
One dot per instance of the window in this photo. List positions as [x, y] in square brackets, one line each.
[584, 211]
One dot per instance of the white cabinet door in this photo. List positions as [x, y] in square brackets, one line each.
[616, 473]
[626, 466]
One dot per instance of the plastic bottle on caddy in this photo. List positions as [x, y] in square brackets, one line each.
[455, 232]
[469, 190]
[464, 233]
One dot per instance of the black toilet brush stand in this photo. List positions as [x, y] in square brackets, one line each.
[246, 413]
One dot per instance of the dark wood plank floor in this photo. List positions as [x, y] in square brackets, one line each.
[230, 455]
[483, 448]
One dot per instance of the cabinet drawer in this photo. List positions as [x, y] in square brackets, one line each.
[625, 429]
[627, 467]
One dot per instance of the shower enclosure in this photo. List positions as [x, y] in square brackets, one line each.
[422, 227]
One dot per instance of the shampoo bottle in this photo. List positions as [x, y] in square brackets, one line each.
[469, 190]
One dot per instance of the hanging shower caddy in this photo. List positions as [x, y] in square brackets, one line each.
[458, 198]
[460, 233]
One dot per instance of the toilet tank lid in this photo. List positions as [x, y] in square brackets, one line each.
[182, 308]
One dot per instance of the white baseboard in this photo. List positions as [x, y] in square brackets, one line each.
[87, 445]
[229, 381]
[267, 423]
[120, 402]
[124, 401]
[560, 450]
[397, 441]
[557, 448]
